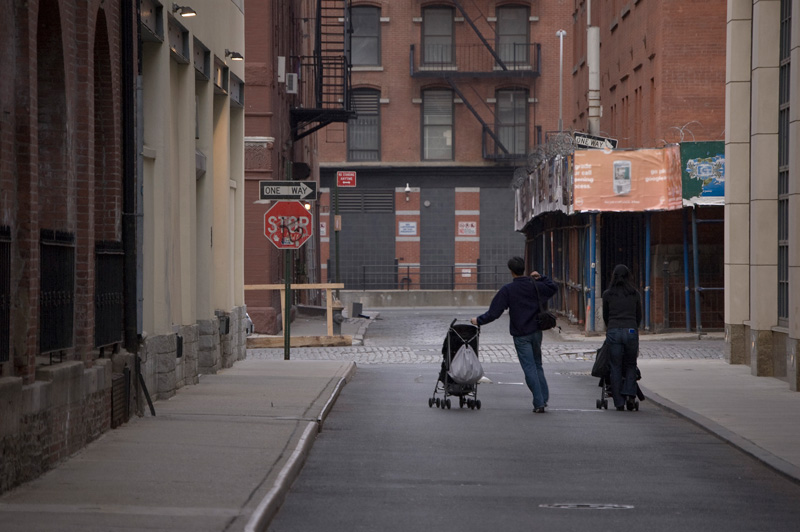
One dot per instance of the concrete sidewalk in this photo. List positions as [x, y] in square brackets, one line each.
[217, 456]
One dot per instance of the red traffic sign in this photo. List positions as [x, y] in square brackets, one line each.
[288, 224]
[346, 179]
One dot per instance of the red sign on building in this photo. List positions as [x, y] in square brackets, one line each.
[288, 224]
[346, 179]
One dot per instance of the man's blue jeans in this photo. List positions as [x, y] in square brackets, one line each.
[529, 352]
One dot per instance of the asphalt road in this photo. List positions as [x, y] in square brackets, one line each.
[386, 461]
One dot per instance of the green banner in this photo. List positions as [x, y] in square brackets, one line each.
[703, 172]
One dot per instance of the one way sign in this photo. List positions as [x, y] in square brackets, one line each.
[287, 190]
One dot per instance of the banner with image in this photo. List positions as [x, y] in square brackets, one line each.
[617, 181]
[703, 167]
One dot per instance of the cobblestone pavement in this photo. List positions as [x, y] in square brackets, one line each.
[415, 336]
[569, 352]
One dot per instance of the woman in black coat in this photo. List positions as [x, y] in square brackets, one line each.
[622, 313]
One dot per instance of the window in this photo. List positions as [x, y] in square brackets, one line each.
[512, 120]
[364, 131]
[437, 125]
[784, 90]
[437, 35]
[512, 35]
[365, 45]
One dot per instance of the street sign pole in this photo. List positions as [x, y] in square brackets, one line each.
[287, 307]
[335, 227]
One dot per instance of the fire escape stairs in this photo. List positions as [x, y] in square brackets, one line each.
[329, 69]
[486, 127]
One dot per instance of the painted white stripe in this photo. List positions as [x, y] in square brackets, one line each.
[406, 239]
[468, 239]
[406, 213]
[468, 189]
[468, 213]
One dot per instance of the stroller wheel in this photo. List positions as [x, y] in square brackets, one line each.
[437, 402]
[430, 402]
[478, 404]
[461, 402]
[599, 404]
[448, 404]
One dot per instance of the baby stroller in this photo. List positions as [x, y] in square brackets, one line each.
[602, 369]
[458, 335]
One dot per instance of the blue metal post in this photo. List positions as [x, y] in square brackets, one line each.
[696, 258]
[686, 273]
[593, 271]
[647, 272]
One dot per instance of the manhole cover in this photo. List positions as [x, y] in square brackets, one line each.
[586, 506]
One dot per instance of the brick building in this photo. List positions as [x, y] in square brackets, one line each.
[636, 79]
[450, 99]
[121, 171]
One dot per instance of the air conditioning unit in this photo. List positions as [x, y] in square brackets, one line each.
[291, 83]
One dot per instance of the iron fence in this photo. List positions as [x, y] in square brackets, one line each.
[108, 293]
[57, 291]
[5, 291]
[425, 277]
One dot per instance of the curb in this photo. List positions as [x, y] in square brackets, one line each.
[777, 464]
[272, 501]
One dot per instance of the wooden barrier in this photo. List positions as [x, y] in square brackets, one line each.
[328, 287]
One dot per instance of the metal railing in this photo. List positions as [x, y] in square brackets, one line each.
[108, 293]
[5, 292]
[475, 60]
[57, 291]
[424, 277]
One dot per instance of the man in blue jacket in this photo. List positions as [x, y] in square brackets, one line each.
[520, 298]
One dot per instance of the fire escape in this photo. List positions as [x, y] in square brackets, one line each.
[328, 70]
[470, 61]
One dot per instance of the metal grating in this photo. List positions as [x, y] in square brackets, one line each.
[5, 292]
[57, 291]
[108, 293]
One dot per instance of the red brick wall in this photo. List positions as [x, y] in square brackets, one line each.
[400, 118]
[653, 83]
[61, 153]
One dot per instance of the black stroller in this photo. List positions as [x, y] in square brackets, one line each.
[457, 335]
[602, 369]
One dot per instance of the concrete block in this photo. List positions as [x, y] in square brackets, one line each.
[36, 398]
[10, 405]
[736, 344]
[66, 380]
[761, 353]
[165, 362]
[792, 363]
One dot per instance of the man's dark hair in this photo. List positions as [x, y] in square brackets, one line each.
[516, 265]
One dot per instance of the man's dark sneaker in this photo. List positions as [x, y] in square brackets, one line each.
[539, 410]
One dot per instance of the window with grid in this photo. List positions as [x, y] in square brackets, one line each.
[783, 162]
[512, 35]
[512, 120]
[364, 131]
[437, 125]
[365, 41]
[437, 35]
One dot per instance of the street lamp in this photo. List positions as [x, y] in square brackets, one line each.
[560, 34]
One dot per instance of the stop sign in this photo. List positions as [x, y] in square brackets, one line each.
[288, 224]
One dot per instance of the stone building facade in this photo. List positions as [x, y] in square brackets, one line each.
[762, 194]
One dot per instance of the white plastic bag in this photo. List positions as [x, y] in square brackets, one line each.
[465, 367]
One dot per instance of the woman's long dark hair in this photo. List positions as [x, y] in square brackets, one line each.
[622, 281]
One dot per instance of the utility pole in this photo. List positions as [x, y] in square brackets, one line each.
[561, 34]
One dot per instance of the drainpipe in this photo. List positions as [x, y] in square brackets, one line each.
[593, 273]
[647, 272]
[593, 63]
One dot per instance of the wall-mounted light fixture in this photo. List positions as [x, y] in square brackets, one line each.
[184, 11]
[236, 56]
[408, 191]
